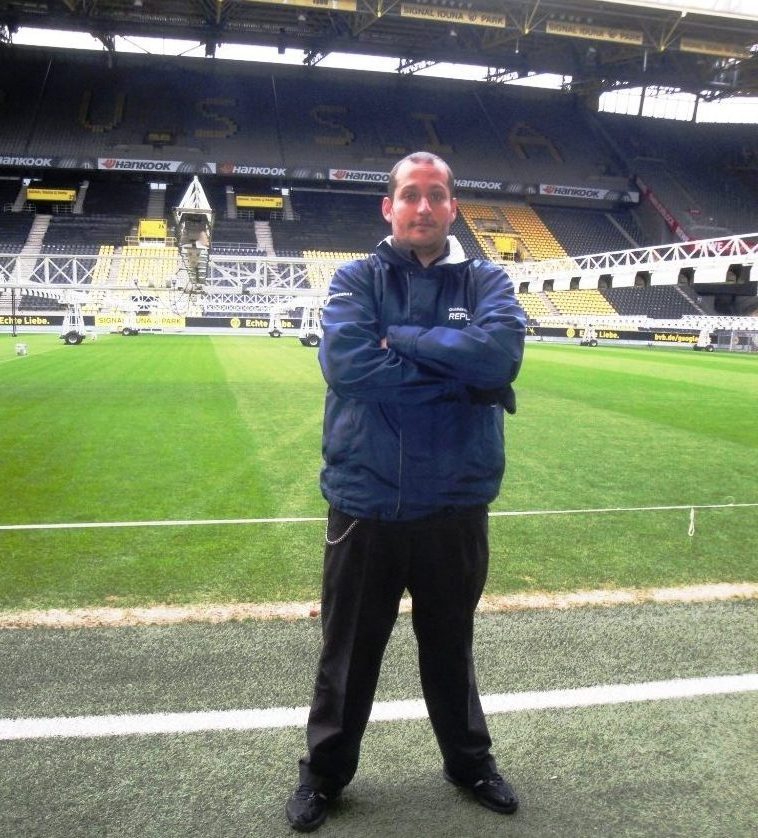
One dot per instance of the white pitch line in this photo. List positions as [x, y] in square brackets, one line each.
[384, 711]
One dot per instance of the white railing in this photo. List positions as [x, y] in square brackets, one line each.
[246, 283]
[716, 252]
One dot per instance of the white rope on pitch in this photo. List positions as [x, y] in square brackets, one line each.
[620, 509]
[207, 522]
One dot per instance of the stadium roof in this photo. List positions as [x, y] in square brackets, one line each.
[701, 46]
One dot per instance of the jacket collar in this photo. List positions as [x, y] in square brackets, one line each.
[453, 255]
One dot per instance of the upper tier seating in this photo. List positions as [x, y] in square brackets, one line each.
[699, 171]
[72, 107]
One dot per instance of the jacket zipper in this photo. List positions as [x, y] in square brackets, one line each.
[400, 430]
[400, 471]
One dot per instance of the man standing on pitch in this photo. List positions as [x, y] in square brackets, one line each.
[420, 347]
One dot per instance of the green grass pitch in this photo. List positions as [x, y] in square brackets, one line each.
[164, 428]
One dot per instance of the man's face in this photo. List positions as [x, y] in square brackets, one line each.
[421, 210]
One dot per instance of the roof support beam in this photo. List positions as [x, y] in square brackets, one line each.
[408, 66]
[314, 57]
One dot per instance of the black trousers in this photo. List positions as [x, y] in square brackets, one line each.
[442, 561]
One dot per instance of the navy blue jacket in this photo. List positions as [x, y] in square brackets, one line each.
[402, 436]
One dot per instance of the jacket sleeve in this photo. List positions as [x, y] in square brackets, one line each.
[486, 353]
[353, 362]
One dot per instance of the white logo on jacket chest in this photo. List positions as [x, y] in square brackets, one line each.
[458, 313]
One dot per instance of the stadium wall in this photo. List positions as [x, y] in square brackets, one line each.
[258, 325]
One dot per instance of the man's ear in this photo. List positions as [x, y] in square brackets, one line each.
[454, 208]
[387, 208]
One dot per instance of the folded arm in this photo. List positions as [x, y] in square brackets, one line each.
[354, 358]
[484, 354]
[412, 364]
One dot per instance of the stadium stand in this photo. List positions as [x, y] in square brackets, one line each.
[463, 233]
[536, 306]
[582, 231]
[320, 271]
[660, 303]
[235, 237]
[9, 188]
[153, 267]
[704, 180]
[589, 302]
[104, 266]
[106, 270]
[14, 230]
[250, 129]
[85, 234]
[665, 303]
[118, 196]
[329, 221]
[71, 106]
[486, 223]
[538, 241]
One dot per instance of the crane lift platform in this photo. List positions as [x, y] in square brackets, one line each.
[194, 226]
[310, 332]
[72, 328]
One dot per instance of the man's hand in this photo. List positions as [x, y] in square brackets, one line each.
[504, 396]
[383, 343]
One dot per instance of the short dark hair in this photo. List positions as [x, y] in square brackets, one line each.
[420, 157]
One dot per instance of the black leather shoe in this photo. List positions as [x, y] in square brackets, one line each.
[306, 808]
[493, 792]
